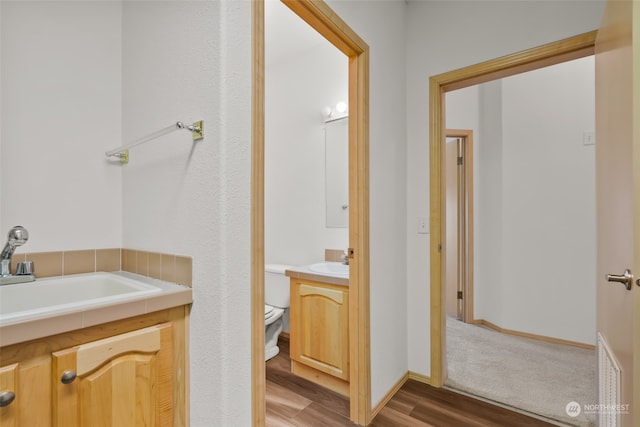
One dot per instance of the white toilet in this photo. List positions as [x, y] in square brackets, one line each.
[277, 299]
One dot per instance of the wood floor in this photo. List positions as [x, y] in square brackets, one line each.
[293, 401]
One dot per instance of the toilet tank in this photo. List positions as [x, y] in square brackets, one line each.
[276, 285]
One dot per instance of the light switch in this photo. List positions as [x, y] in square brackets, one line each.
[589, 138]
[423, 225]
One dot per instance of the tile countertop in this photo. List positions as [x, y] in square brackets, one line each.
[171, 295]
[306, 274]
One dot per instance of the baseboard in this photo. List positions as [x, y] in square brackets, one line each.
[532, 336]
[389, 396]
[321, 378]
[284, 336]
[509, 407]
[420, 378]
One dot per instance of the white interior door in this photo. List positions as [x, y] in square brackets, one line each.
[618, 214]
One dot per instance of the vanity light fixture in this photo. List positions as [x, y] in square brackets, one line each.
[338, 112]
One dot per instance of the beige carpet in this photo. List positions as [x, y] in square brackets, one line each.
[531, 375]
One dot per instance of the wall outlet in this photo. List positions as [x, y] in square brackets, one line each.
[423, 225]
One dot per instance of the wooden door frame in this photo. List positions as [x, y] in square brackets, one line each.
[323, 19]
[466, 135]
[636, 225]
[553, 53]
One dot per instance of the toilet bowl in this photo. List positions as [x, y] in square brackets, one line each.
[277, 299]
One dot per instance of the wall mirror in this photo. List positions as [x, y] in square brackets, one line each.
[337, 172]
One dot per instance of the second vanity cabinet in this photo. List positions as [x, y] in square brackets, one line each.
[319, 335]
[128, 372]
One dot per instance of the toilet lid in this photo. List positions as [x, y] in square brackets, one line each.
[268, 311]
[276, 268]
[272, 314]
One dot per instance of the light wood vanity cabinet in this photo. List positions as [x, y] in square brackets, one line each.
[119, 381]
[125, 373]
[319, 333]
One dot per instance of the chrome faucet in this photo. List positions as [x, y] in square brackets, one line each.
[345, 257]
[17, 236]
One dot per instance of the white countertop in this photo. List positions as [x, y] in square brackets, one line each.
[60, 321]
[304, 272]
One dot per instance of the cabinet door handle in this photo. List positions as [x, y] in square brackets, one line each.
[6, 397]
[68, 377]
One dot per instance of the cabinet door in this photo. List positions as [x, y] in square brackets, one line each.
[124, 380]
[320, 328]
[25, 393]
[9, 413]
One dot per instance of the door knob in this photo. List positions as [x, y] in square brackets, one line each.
[626, 279]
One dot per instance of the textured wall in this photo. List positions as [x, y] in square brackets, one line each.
[189, 61]
[60, 112]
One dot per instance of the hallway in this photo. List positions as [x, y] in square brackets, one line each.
[293, 401]
[536, 376]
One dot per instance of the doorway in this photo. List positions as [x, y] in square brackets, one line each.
[324, 20]
[554, 53]
[459, 223]
[535, 224]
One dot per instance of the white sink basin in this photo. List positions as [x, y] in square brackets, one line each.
[331, 268]
[27, 300]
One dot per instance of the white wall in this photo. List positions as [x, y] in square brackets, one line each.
[549, 237]
[488, 200]
[483, 30]
[189, 61]
[535, 199]
[1, 115]
[60, 112]
[297, 88]
[381, 25]
[79, 78]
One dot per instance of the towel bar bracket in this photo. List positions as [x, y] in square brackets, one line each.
[197, 129]
[123, 156]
